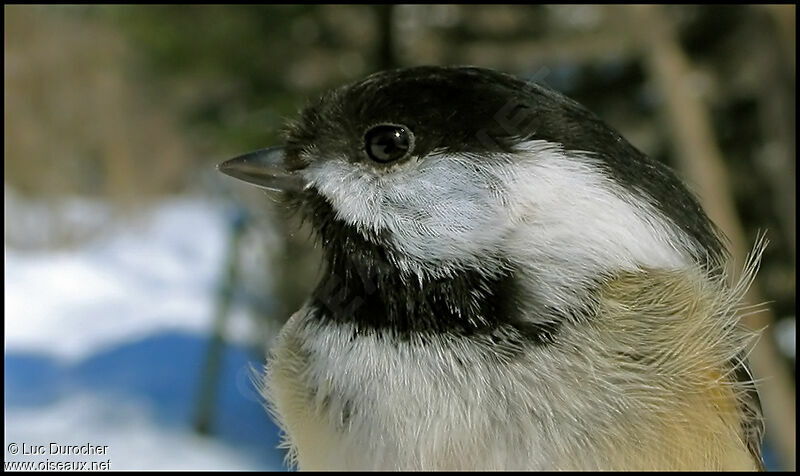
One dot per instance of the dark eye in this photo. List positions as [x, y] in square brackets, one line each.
[387, 143]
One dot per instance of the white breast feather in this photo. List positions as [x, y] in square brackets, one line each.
[450, 403]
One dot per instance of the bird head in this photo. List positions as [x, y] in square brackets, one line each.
[438, 170]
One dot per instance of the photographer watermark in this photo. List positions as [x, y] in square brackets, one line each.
[53, 456]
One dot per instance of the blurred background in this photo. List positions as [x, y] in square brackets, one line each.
[142, 288]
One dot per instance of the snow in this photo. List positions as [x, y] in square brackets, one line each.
[155, 273]
[134, 441]
[105, 341]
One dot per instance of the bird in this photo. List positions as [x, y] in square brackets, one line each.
[507, 284]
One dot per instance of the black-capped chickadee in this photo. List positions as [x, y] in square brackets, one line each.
[509, 284]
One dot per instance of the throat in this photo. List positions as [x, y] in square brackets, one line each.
[374, 296]
[365, 287]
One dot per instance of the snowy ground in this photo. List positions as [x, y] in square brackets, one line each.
[104, 344]
[158, 272]
[134, 438]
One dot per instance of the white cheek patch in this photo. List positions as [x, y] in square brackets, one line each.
[573, 223]
[354, 192]
[568, 207]
[541, 208]
[439, 210]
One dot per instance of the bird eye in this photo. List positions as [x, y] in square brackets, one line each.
[387, 143]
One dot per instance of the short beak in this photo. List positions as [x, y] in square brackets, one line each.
[266, 168]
